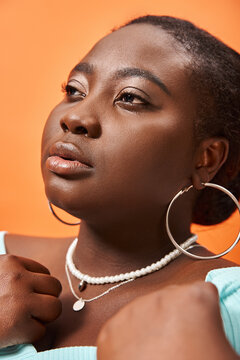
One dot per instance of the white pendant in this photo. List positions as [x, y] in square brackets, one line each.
[78, 305]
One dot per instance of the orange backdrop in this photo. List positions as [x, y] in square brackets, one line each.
[41, 41]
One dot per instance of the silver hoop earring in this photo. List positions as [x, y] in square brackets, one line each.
[181, 192]
[57, 217]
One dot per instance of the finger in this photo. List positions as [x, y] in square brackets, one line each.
[35, 330]
[33, 266]
[46, 284]
[45, 308]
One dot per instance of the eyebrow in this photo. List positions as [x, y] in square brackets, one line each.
[136, 72]
[125, 73]
[84, 68]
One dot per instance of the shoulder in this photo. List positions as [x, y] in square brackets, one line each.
[191, 270]
[198, 269]
[45, 250]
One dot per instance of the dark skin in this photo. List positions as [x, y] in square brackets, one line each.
[182, 322]
[142, 151]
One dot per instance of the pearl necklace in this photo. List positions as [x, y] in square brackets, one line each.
[122, 278]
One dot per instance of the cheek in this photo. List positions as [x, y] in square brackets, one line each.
[52, 130]
[154, 161]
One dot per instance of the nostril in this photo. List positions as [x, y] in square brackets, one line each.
[81, 130]
[64, 127]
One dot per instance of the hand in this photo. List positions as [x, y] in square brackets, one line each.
[28, 298]
[178, 322]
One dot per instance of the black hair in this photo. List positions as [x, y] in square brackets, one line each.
[215, 76]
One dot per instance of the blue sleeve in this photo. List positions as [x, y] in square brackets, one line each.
[227, 281]
[2, 243]
[18, 352]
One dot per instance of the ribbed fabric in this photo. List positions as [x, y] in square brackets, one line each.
[28, 352]
[2, 243]
[18, 352]
[227, 281]
[69, 353]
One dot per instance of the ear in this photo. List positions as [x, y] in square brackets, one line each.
[210, 155]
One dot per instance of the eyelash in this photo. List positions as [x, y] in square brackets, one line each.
[67, 89]
[134, 96]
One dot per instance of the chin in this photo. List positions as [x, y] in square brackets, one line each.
[76, 203]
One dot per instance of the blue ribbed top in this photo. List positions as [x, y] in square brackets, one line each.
[226, 280]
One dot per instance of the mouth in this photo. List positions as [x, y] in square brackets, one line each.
[67, 159]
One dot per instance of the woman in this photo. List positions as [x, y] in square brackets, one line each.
[152, 109]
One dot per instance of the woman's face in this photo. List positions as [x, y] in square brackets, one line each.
[128, 113]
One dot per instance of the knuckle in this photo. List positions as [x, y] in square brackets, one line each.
[8, 259]
[16, 276]
[11, 271]
[204, 292]
[12, 257]
[12, 283]
[211, 291]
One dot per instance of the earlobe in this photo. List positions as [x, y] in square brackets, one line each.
[210, 156]
[200, 177]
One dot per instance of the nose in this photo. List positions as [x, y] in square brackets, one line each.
[81, 124]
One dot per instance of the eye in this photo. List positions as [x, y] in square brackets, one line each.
[131, 98]
[72, 91]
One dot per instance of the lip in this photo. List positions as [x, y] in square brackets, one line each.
[67, 159]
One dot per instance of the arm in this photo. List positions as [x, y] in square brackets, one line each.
[179, 322]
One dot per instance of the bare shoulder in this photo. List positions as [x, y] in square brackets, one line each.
[200, 268]
[41, 249]
[187, 270]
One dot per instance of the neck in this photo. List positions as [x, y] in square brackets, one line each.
[120, 248]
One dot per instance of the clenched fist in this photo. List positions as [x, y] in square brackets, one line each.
[178, 322]
[28, 300]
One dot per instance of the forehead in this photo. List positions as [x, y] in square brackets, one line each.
[140, 40]
[142, 46]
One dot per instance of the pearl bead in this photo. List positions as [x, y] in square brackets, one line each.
[164, 262]
[143, 271]
[127, 276]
